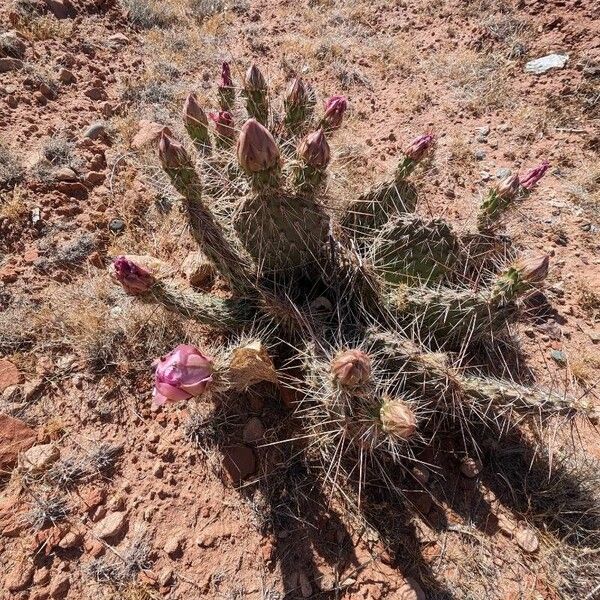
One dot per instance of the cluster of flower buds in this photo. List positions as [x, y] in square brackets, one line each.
[397, 419]
[134, 278]
[335, 108]
[226, 90]
[351, 369]
[255, 90]
[194, 119]
[182, 374]
[257, 152]
[416, 151]
[224, 126]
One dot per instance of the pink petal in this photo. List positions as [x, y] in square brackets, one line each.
[171, 392]
[195, 389]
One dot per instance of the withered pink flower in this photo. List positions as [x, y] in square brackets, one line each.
[171, 153]
[534, 269]
[223, 121]
[254, 80]
[508, 187]
[256, 148]
[419, 147]
[351, 368]
[134, 278]
[335, 108]
[226, 80]
[180, 375]
[314, 150]
[532, 176]
[193, 114]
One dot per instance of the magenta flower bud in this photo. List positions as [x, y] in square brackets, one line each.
[134, 278]
[256, 148]
[171, 153]
[532, 176]
[314, 150]
[223, 121]
[226, 81]
[508, 188]
[335, 108]
[351, 368]
[419, 147]
[193, 115]
[180, 375]
[397, 419]
[254, 80]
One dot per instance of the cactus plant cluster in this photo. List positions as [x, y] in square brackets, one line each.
[358, 309]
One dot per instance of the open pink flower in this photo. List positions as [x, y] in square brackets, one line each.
[419, 147]
[134, 278]
[335, 108]
[532, 176]
[180, 375]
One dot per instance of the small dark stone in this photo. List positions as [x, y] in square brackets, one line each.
[117, 226]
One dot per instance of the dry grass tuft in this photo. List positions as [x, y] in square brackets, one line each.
[11, 171]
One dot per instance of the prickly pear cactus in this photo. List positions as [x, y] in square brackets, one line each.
[354, 310]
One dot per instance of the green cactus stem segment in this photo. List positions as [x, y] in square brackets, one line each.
[282, 233]
[412, 250]
[307, 179]
[257, 105]
[431, 375]
[206, 231]
[374, 208]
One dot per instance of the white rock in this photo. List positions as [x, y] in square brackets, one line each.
[39, 458]
[110, 526]
[545, 63]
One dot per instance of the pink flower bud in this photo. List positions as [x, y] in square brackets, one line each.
[256, 148]
[335, 108]
[193, 115]
[509, 187]
[419, 147]
[226, 81]
[398, 419]
[296, 95]
[171, 153]
[314, 150]
[254, 80]
[180, 375]
[134, 278]
[535, 269]
[223, 121]
[532, 176]
[351, 368]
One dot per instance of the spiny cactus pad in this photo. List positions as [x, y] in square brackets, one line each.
[357, 306]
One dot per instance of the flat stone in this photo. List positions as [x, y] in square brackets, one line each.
[95, 131]
[111, 526]
[65, 174]
[39, 458]
[60, 586]
[15, 437]
[148, 133]
[96, 93]
[239, 463]
[19, 577]
[173, 546]
[71, 539]
[12, 44]
[9, 375]
[559, 356]
[10, 64]
[61, 9]
[198, 269]
[117, 226]
[65, 76]
[541, 65]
